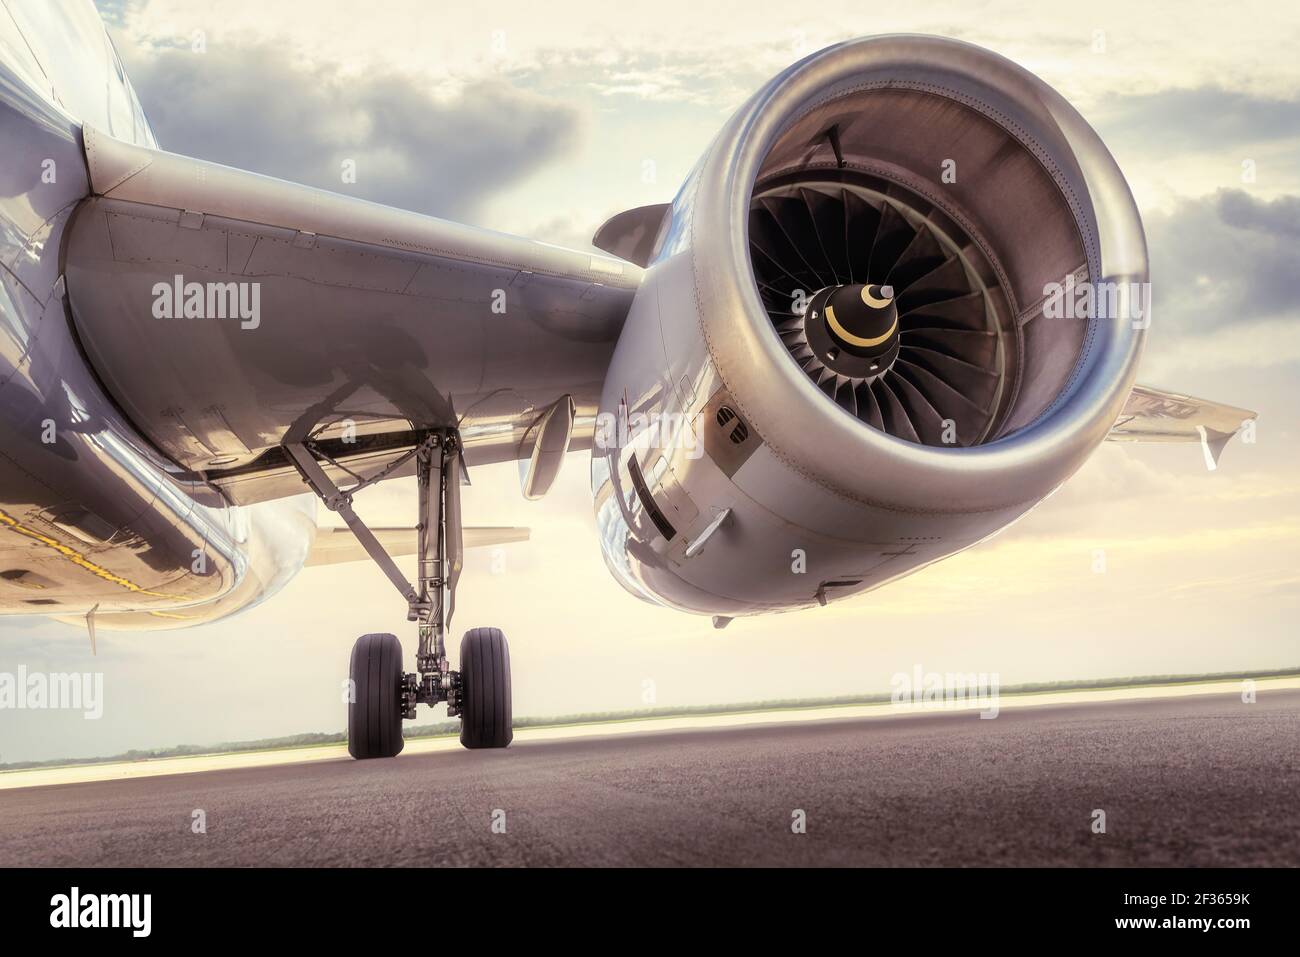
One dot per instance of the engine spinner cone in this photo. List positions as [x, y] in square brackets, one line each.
[853, 329]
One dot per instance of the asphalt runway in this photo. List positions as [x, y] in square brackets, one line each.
[1204, 780]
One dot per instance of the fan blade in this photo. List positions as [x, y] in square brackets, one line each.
[795, 221]
[922, 256]
[844, 395]
[892, 237]
[926, 420]
[770, 273]
[946, 282]
[969, 418]
[974, 382]
[869, 406]
[770, 240]
[828, 218]
[963, 312]
[776, 300]
[861, 221]
[896, 420]
[786, 324]
[977, 348]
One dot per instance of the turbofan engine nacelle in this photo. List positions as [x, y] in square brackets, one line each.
[848, 358]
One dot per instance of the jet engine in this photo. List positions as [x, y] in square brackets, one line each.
[845, 360]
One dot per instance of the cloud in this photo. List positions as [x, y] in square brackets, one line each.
[1223, 261]
[1280, 217]
[569, 229]
[1201, 118]
[115, 12]
[439, 151]
[685, 76]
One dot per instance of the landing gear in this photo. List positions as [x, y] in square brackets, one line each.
[382, 694]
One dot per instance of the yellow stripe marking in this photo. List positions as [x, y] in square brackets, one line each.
[853, 340]
[78, 559]
[870, 299]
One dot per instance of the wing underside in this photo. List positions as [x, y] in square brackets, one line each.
[229, 314]
[335, 546]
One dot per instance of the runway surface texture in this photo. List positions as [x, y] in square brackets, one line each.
[1206, 780]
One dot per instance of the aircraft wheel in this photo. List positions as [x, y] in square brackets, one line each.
[485, 713]
[375, 707]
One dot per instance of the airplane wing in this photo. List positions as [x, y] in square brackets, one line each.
[1151, 415]
[229, 314]
[334, 546]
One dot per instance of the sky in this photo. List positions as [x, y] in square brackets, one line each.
[545, 119]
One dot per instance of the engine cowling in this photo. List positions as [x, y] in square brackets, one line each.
[839, 368]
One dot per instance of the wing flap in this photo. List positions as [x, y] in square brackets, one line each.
[335, 546]
[1153, 415]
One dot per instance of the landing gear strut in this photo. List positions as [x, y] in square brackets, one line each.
[382, 694]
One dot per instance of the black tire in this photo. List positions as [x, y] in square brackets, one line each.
[375, 711]
[485, 713]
